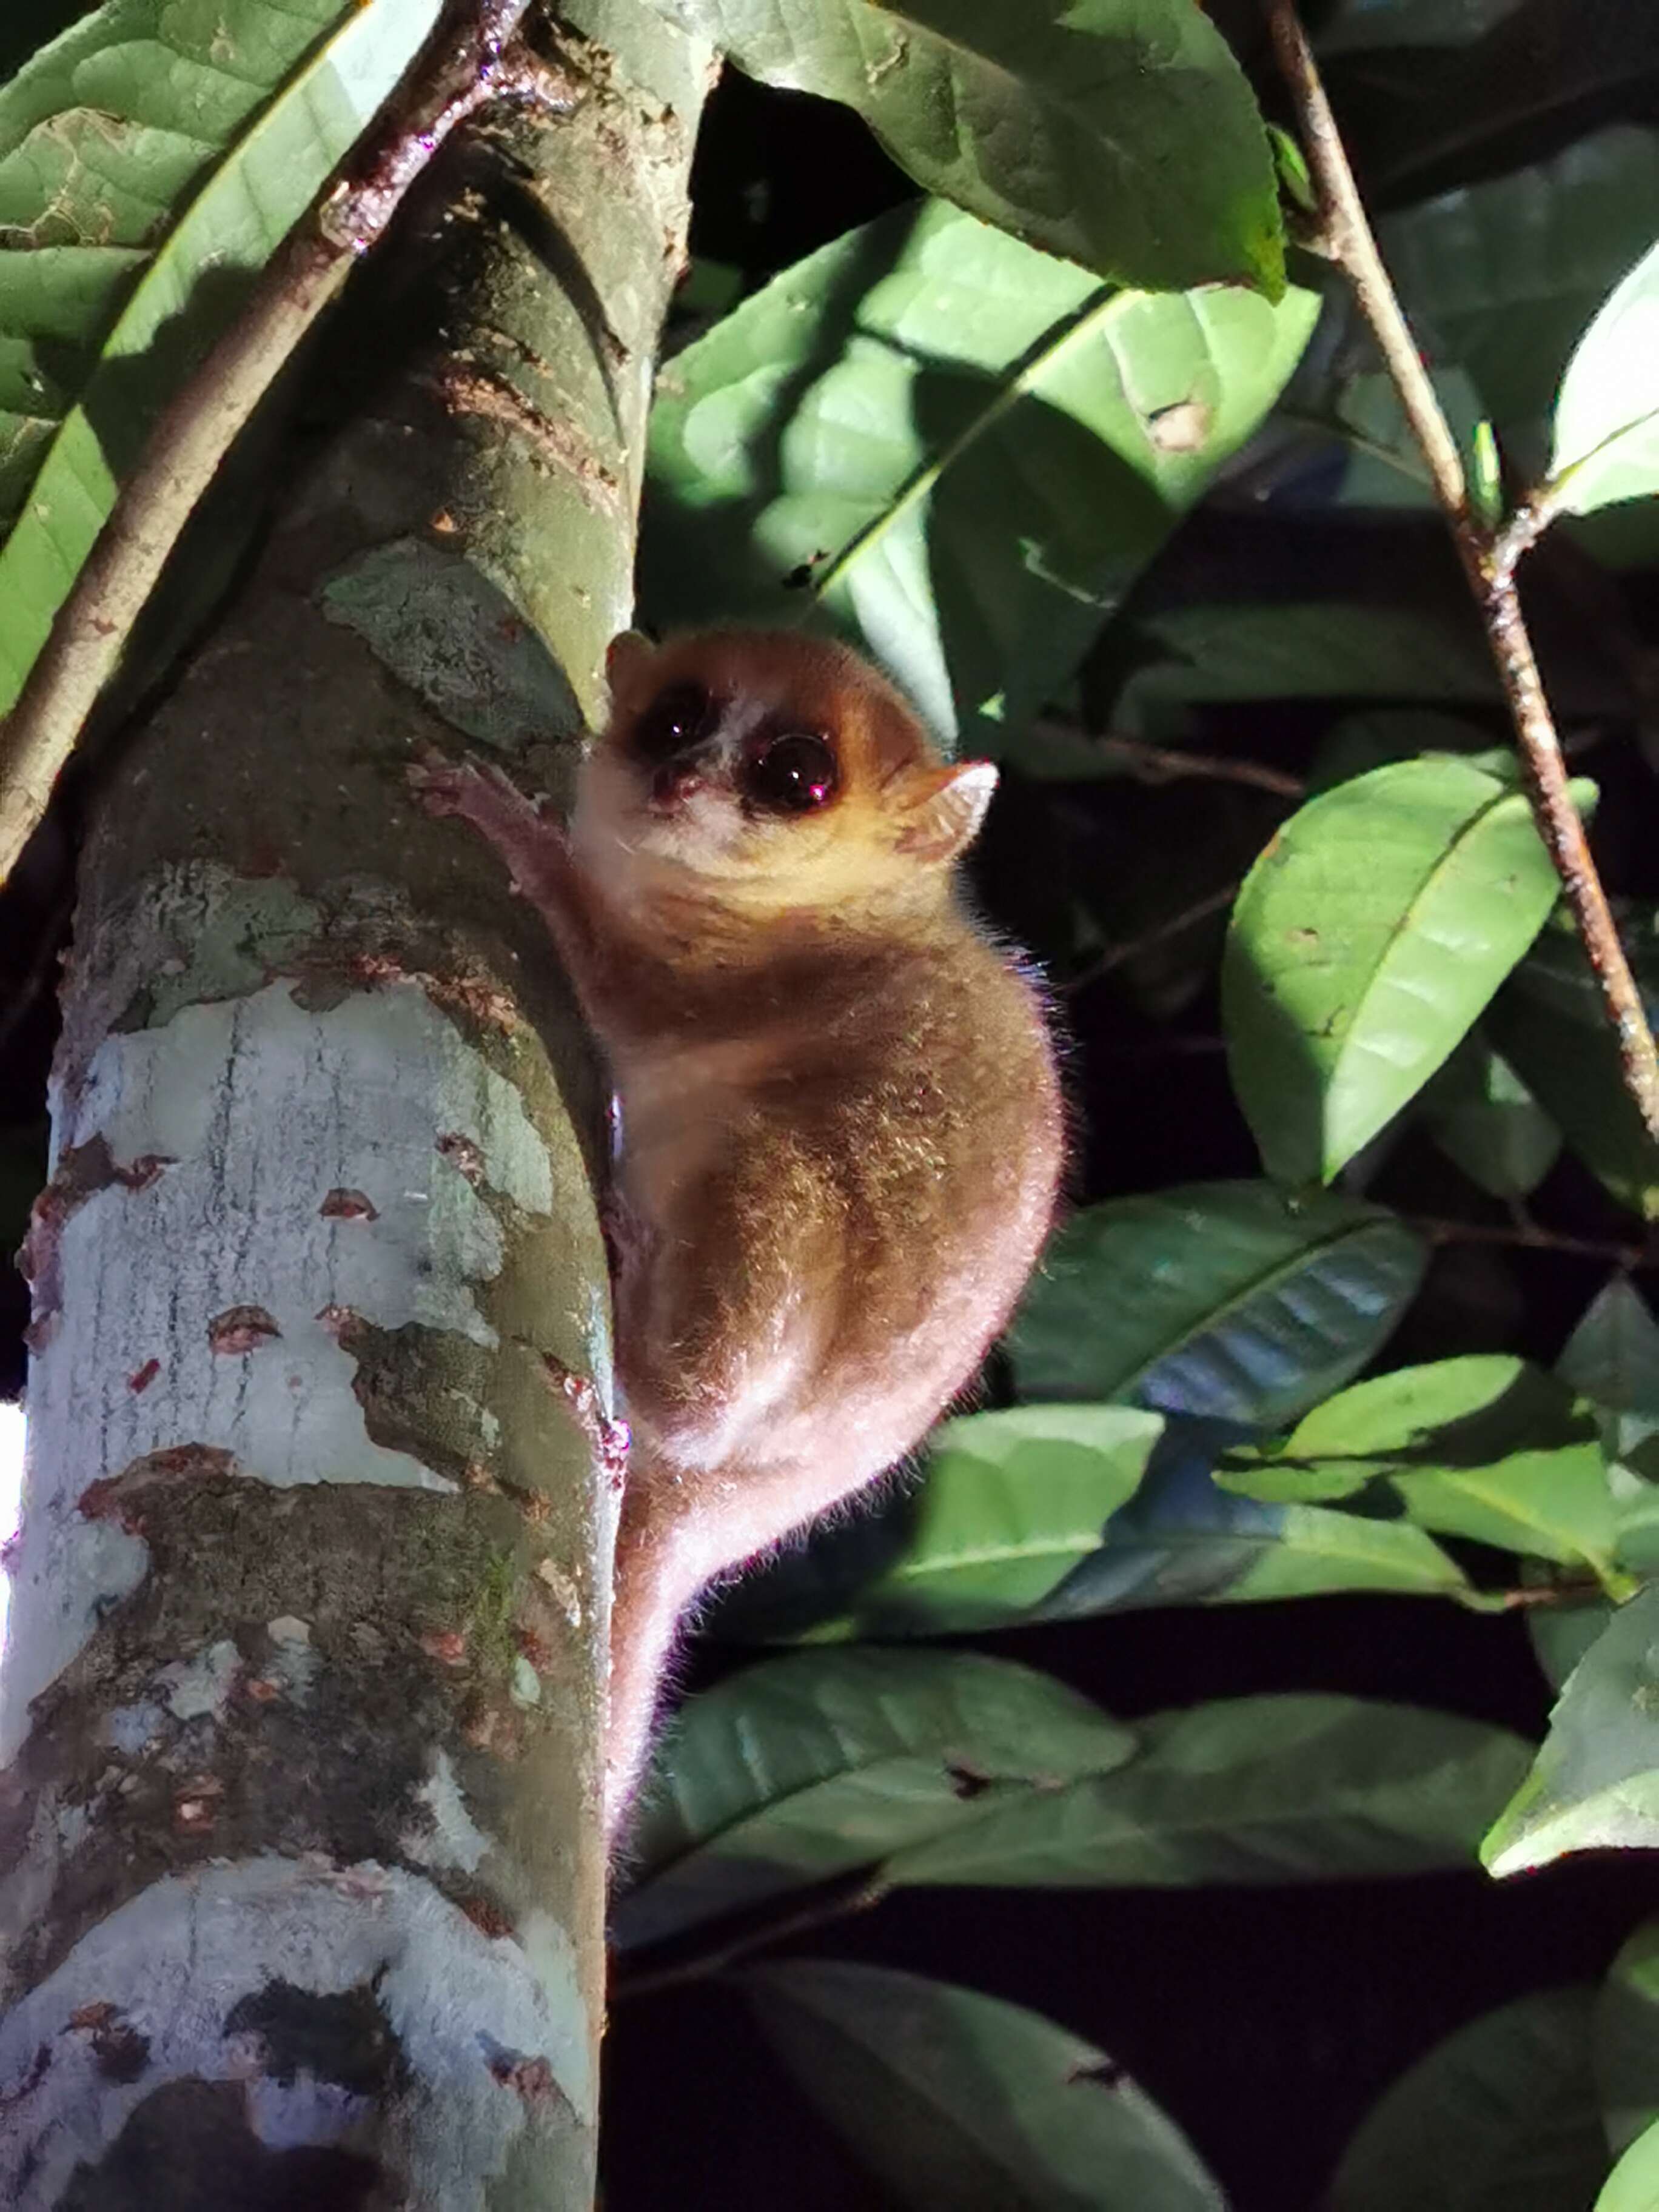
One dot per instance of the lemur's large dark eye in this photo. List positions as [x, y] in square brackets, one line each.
[792, 773]
[676, 721]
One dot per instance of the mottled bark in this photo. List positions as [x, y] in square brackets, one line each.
[303, 1876]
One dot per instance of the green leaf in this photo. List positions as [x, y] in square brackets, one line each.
[954, 450]
[1008, 1505]
[1367, 938]
[1561, 1635]
[1537, 250]
[1485, 1447]
[1308, 649]
[1626, 2043]
[1595, 1783]
[1121, 134]
[1356, 744]
[812, 1764]
[1613, 1357]
[1606, 418]
[1483, 1116]
[1179, 1540]
[1366, 24]
[1249, 1789]
[1549, 1024]
[1502, 2113]
[235, 114]
[1633, 2185]
[1216, 1298]
[953, 2098]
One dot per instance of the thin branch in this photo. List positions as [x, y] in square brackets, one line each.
[465, 68]
[1488, 558]
[1528, 1235]
[699, 1969]
[1174, 925]
[1155, 764]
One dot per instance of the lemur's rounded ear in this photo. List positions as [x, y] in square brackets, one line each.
[944, 808]
[626, 659]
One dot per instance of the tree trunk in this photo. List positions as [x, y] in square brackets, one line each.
[303, 1896]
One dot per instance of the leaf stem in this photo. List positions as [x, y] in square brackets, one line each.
[1488, 558]
[1533, 1236]
[870, 1892]
[464, 67]
[1154, 764]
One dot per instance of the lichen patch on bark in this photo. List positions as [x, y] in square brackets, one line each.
[271, 1976]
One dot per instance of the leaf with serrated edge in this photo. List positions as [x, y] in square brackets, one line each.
[1607, 418]
[1365, 941]
[810, 1765]
[1249, 1789]
[950, 448]
[1595, 1784]
[955, 2099]
[1214, 1298]
[269, 169]
[1503, 2112]
[1121, 134]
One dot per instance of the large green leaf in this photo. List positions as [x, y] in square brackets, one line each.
[1301, 649]
[1483, 1116]
[1550, 1023]
[1606, 418]
[1502, 2114]
[1484, 1447]
[1595, 1783]
[808, 1766]
[1249, 1789]
[1633, 2185]
[1627, 2040]
[1009, 1502]
[1217, 1298]
[1368, 937]
[1119, 133]
[234, 113]
[1180, 1541]
[953, 2098]
[955, 450]
[1536, 250]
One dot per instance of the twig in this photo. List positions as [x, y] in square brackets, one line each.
[1174, 925]
[1150, 763]
[466, 68]
[1530, 1236]
[869, 1892]
[1488, 558]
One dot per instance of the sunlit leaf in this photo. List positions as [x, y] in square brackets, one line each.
[1484, 1447]
[1633, 2185]
[1503, 2112]
[1366, 940]
[1250, 1790]
[1217, 1298]
[1180, 1541]
[954, 449]
[808, 1766]
[1119, 133]
[954, 2099]
[1606, 418]
[1595, 1783]
[235, 114]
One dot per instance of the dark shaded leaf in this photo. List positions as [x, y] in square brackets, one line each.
[810, 1765]
[953, 2098]
[1250, 1790]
